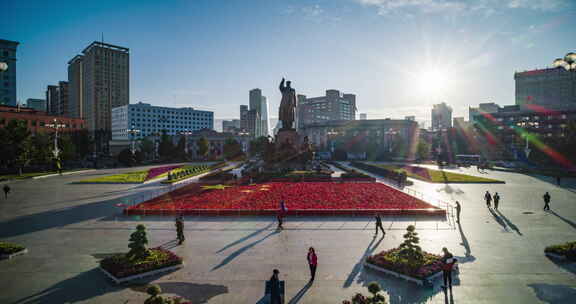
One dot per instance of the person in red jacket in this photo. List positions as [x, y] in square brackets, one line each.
[312, 263]
[448, 261]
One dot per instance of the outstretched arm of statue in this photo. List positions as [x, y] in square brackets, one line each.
[282, 87]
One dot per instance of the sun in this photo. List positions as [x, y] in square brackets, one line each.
[433, 82]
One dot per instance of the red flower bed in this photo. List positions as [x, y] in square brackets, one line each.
[389, 260]
[152, 173]
[297, 196]
[120, 267]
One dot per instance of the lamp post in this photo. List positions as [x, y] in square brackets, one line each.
[569, 64]
[3, 66]
[186, 133]
[132, 132]
[56, 152]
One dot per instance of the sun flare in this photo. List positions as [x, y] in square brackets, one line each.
[433, 82]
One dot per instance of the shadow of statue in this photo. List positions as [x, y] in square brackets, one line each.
[253, 234]
[565, 220]
[510, 224]
[360, 264]
[241, 250]
[498, 219]
[554, 293]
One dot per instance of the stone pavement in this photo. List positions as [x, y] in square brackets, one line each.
[69, 227]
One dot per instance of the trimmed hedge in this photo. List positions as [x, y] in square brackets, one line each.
[10, 248]
[121, 266]
[567, 249]
[398, 177]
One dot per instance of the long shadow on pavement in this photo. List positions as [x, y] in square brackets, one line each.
[253, 234]
[565, 220]
[498, 219]
[554, 293]
[238, 252]
[510, 224]
[197, 293]
[295, 299]
[358, 267]
[468, 257]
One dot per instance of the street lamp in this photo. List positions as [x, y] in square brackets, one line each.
[56, 152]
[569, 64]
[186, 133]
[132, 132]
[3, 66]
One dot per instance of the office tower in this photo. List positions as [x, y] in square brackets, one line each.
[253, 123]
[244, 118]
[151, 120]
[75, 86]
[441, 116]
[57, 99]
[256, 101]
[52, 100]
[36, 104]
[231, 126]
[8, 77]
[265, 120]
[333, 106]
[483, 108]
[551, 86]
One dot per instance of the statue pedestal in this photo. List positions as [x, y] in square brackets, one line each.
[287, 136]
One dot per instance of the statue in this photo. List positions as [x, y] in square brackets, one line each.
[287, 105]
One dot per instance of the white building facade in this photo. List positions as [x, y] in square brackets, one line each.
[152, 120]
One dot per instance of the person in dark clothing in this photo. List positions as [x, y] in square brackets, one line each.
[279, 217]
[546, 201]
[180, 230]
[488, 199]
[379, 225]
[312, 262]
[448, 261]
[496, 200]
[558, 180]
[6, 191]
[275, 297]
[458, 209]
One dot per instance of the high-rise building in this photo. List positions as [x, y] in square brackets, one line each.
[551, 86]
[8, 77]
[57, 99]
[75, 86]
[52, 100]
[253, 121]
[105, 84]
[441, 116]
[244, 118]
[36, 104]
[151, 120]
[333, 106]
[483, 108]
[264, 118]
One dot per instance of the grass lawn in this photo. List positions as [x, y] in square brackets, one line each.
[125, 178]
[438, 176]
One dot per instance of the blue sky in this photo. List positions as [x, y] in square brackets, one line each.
[398, 56]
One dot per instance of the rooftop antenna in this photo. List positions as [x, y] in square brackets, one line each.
[102, 37]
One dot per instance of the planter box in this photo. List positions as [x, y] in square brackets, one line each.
[9, 256]
[556, 256]
[422, 282]
[140, 275]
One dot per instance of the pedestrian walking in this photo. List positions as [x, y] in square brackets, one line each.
[312, 263]
[448, 262]
[275, 297]
[488, 199]
[6, 191]
[558, 180]
[496, 200]
[546, 201]
[180, 230]
[458, 209]
[280, 221]
[379, 225]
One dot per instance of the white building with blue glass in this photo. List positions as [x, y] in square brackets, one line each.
[151, 120]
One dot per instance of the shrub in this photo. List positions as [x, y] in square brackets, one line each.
[409, 249]
[9, 248]
[138, 242]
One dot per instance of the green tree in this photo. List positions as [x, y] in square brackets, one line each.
[125, 157]
[16, 147]
[166, 147]
[42, 154]
[67, 148]
[138, 242]
[181, 148]
[232, 148]
[203, 147]
[83, 143]
[423, 150]
[409, 249]
[147, 147]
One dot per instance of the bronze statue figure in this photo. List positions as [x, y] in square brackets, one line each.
[287, 105]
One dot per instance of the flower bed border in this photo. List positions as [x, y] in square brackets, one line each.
[140, 275]
[290, 212]
[17, 253]
[422, 282]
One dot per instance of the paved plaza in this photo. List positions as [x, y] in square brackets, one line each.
[69, 227]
